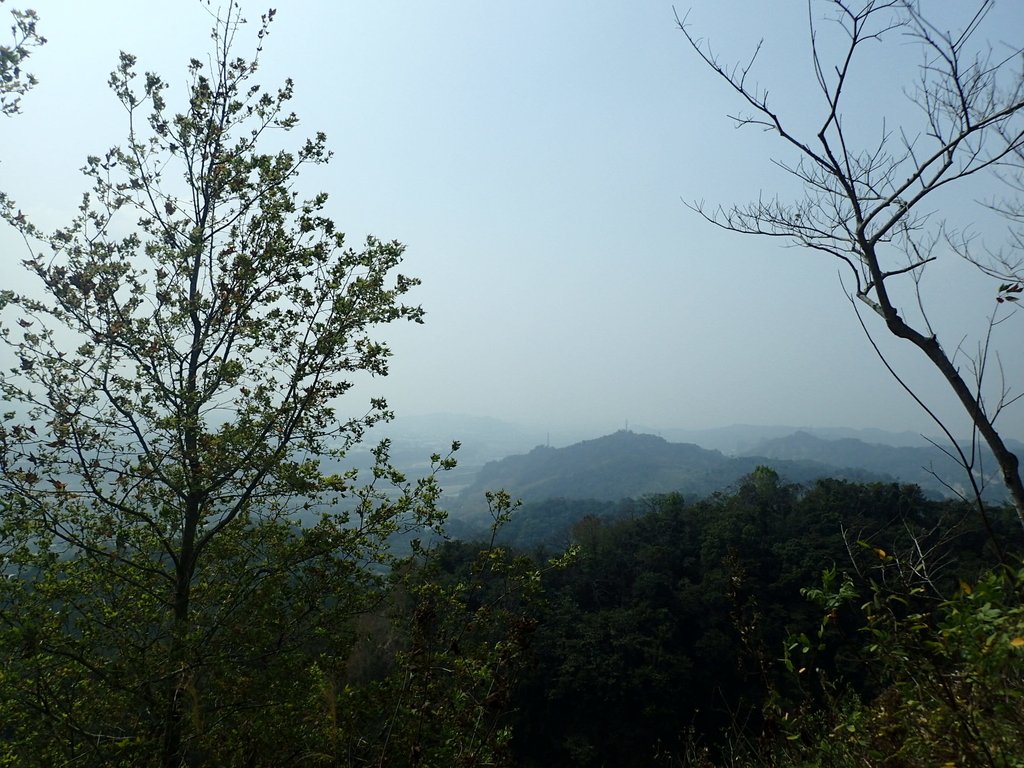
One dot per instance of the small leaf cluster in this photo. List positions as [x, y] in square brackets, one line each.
[1009, 292]
[15, 82]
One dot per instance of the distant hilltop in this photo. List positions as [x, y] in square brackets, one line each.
[630, 465]
[534, 464]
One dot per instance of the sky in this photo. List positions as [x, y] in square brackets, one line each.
[536, 157]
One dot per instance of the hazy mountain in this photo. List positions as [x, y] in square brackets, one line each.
[926, 466]
[697, 464]
[630, 465]
[740, 439]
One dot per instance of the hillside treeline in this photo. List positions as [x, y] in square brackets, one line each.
[760, 625]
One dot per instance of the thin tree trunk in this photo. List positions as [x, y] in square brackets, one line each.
[1009, 464]
[173, 753]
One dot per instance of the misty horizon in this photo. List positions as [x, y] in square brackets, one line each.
[535, 161]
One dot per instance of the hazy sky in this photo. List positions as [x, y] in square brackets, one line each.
[534, 157]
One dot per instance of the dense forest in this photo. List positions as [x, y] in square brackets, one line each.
[679, 633]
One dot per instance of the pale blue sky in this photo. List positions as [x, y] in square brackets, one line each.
[534, 157]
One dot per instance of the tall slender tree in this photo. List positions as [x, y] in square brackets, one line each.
[175, 383]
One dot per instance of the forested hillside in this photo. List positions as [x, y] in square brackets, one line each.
[678, 635]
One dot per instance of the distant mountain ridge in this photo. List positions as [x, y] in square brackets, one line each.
[695, 462]
[629, 465]
[740, 439]
[927, 466]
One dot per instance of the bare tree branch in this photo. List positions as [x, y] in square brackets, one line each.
[864, 206]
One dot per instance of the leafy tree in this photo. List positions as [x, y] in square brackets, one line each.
[174, 387]
[870, 204]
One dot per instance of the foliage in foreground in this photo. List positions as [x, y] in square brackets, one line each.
[316, 665]
[949, 676]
